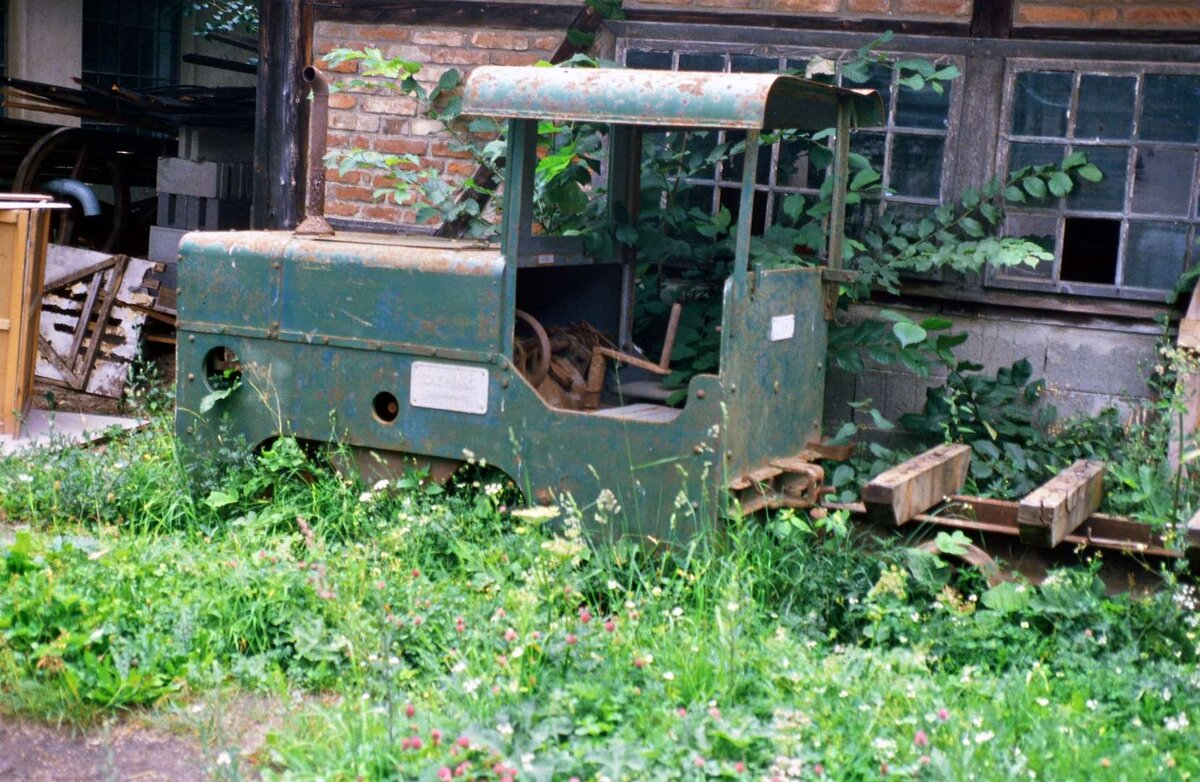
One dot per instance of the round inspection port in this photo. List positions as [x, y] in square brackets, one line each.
[222, 369]
[386, 407]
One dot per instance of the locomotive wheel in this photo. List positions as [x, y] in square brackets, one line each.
[78, 153]
[540, 358]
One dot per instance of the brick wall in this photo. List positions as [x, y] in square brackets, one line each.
[375, 118]
[1140, 14]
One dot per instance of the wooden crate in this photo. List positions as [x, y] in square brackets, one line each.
[24, 229]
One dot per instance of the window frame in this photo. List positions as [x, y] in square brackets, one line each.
[1061, 210]
[973, 140]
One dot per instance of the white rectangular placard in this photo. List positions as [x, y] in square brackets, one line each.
[450, 387]
[783, 327]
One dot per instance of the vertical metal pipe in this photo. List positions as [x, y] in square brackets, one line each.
[318, 125]
[741, 253]
[840, 174]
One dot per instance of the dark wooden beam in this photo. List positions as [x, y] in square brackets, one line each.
[991, 18]
[279, 127]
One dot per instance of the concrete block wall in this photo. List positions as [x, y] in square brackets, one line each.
[386, 121]
[1088, 364]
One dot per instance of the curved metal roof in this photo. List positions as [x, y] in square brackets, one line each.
[752, 101]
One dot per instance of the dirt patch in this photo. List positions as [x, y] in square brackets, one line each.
[37, 752]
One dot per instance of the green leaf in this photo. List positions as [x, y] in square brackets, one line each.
[908, 333]
[1034, 186]
[1090, 173]
[971, 227]
[881, 423]
[927, 569]
[863, 178]
[1060, 184]
[955, 544]
[217, 498]
[1014, 193]
[1073, 160]
[212, 397]
[1007, 597]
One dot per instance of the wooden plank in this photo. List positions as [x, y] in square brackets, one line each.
[915, 486]
[1057, 507]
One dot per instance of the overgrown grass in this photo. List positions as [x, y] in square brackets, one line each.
[449, 637]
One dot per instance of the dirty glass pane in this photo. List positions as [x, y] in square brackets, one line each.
[733, 167]
[1040, 103]
[922, 108]
[870, 145]
[1155, 254]
[1162, 181]
[1042, 230]
[796, 167]
[658, 61]
[666, 146]
[699, 196]
[1171, 108]
[878, 77]
[1109, 193]
[917, 165]
[1105, 107]
[1023, 153]
[748, 63]
[702, 62]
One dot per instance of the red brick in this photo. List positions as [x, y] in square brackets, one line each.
[349, 178]
[396, 105]
[1051, 14]
[1166, 17]
[869, 6]
[1104, 16]
[460, 168]
[497, 40]
[400, 146]
[340, 100]
[959, 8]
[803, 6]
[339, 209]
[382, 212]
[350, 66]
[459, 56]
[442, 149]
[389, 33]
[352, 193]
[547, 43]
[439, 37]
[515, 58]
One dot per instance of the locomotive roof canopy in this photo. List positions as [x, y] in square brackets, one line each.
[750, 101]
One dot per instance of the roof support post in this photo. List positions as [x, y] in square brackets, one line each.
[519, 161]
[741, 253]
[841, 165]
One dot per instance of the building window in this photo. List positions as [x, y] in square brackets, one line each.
[1133, 233]
[909, 152]
[131, 43]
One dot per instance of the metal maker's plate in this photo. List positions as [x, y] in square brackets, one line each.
[450, 387]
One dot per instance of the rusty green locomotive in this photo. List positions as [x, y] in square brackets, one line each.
[402, 349]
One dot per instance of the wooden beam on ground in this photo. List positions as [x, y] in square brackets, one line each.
[915, 486]
[1057, 507]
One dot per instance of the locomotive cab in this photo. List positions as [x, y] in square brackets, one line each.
[414, 350]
